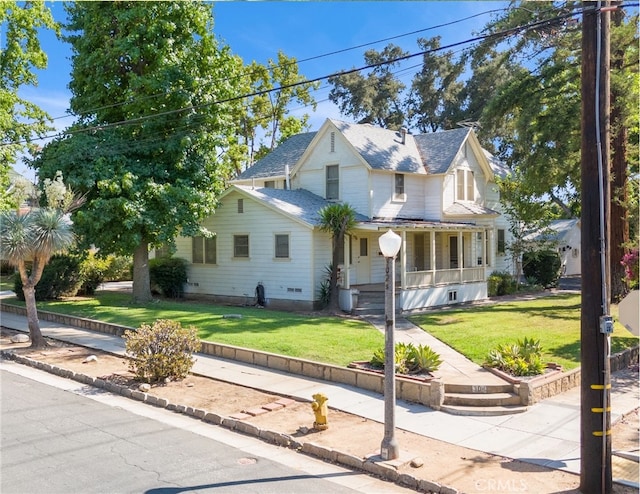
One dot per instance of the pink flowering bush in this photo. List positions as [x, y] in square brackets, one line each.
[631, 263]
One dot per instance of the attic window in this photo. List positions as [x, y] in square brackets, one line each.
[333, 142]
[240, 205]
[465, 186]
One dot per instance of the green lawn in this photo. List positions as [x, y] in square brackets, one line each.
[554, 320]
[473, 331]
[331, 340]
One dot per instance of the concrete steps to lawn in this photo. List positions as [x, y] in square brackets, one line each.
[481, 400]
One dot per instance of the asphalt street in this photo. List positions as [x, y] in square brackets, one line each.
[59, 436]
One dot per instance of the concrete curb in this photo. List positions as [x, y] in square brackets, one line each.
[372, 465]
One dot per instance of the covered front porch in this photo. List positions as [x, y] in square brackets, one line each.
[438, 263]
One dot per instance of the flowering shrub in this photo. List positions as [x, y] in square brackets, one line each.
[631, 262]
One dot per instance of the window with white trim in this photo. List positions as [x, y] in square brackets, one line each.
[332, 182]
[502, 247]
[465, 186]
[241, 246]
[282, 246]
[398, 193]
[204, 250]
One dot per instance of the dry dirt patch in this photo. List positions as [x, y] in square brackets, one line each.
[467, 470]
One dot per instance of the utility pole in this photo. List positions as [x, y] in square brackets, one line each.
[595, 321]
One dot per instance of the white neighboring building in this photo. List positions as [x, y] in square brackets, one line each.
[435, 190]
[565, 237]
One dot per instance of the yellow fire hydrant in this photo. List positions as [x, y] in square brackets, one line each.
[321, 410]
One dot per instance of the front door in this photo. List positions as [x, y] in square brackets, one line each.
[363, 265]
[418, 257]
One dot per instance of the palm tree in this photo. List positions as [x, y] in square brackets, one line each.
[34, 237]
[339, 220]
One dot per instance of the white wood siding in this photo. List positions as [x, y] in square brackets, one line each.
[239, 277]
[312, 175]
[433, 188]
[384, 205]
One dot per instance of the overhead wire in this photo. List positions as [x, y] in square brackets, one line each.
[500, 34]
[307, 59]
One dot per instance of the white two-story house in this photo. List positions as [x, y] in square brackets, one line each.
[437, 191]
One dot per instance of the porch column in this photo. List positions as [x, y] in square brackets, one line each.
[492, 249]
[346, 278]
[403, 260]
[433, 256]
[460, 257]
[485, 258]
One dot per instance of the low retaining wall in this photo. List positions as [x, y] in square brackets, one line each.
[430, 393]
[406, 389]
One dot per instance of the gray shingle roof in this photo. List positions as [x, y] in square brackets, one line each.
[439, 148]
[274, 163]
[300, 203]
[467, 209]
[557, 231]
[381, 148]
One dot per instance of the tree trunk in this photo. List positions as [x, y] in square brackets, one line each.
[334, 304]
[37, 340]
[141, 281]
[619, 193]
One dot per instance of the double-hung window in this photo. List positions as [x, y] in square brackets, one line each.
[465, 187]
[398, 193]
[282, 246]
[241, 246]
[332, 182]
[204, 250]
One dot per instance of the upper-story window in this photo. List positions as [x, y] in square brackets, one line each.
[465, 187]
[240, 205]
[269, 184]
[333, 182]
[333, 142]
[398, 193]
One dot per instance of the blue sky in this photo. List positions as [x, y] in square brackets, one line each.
[257, 30]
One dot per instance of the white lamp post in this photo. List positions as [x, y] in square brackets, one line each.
[389, 245]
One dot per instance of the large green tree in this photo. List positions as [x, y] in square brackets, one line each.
[435, 90]
[534, 113]
[265, 119]
[154, 94]
[375, 97]
[20, 54]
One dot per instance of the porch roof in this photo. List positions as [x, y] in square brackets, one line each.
[407, 225]
[469, 209]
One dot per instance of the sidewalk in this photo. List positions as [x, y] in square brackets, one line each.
[548, 434]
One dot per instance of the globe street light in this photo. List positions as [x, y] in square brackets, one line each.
[389, 245]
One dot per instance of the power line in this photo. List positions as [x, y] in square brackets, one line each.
[314, 57]
[500, 34]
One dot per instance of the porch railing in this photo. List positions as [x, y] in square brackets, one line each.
[444, 277]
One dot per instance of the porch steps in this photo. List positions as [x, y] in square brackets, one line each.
[481, 400]
[370, 303]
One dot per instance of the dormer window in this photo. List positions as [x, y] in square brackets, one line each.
[465, 186]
